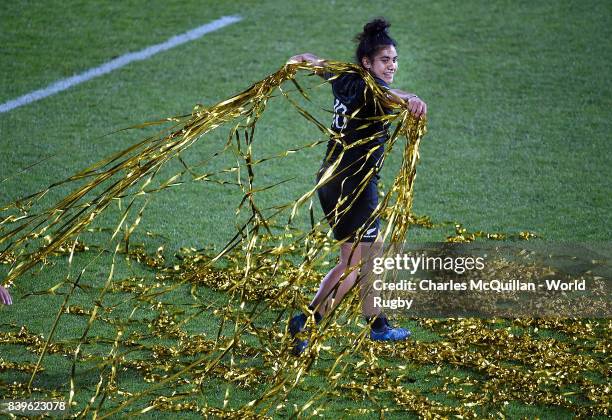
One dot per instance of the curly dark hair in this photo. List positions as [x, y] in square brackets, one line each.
[374, 37]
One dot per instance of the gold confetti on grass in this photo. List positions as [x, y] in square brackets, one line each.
[259, 277]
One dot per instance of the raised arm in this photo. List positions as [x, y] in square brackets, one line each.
[415, 104]
[312, 59]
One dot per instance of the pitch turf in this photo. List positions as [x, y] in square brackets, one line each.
[519, 122]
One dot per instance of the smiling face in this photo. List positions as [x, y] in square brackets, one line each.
[383, 65]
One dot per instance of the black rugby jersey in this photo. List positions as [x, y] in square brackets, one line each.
[350, 94]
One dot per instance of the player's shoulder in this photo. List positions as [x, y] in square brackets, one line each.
[348, 78]
[380, 82]
[348, 87]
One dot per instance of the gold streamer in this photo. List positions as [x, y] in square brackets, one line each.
[257, 275]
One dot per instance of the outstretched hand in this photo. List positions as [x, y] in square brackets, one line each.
[306, 57]
[5, 296]
[417, 107]
[412, 102]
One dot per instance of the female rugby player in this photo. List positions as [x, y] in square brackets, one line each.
[352, 220]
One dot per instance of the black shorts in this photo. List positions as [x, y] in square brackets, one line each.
[357, 222]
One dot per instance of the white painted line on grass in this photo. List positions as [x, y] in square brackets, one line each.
[118, 62]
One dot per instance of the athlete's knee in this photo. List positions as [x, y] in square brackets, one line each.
[351, 256]
[341, 267]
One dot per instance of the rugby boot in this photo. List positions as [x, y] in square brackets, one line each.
[388, 333]
[296, 326]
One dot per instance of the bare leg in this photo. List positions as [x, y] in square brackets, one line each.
[339, 280]
[380, 328]
[369, 251]
[355, 265]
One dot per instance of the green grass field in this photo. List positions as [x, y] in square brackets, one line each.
[519, 120]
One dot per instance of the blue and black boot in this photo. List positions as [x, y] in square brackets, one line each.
[296, 326]
[382, 331]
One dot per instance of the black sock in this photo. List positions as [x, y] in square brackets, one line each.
[379, 323]
[317, 315]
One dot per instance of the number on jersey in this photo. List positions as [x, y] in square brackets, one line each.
[340, 119]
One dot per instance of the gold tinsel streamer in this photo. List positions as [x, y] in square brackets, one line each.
[260, 283]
